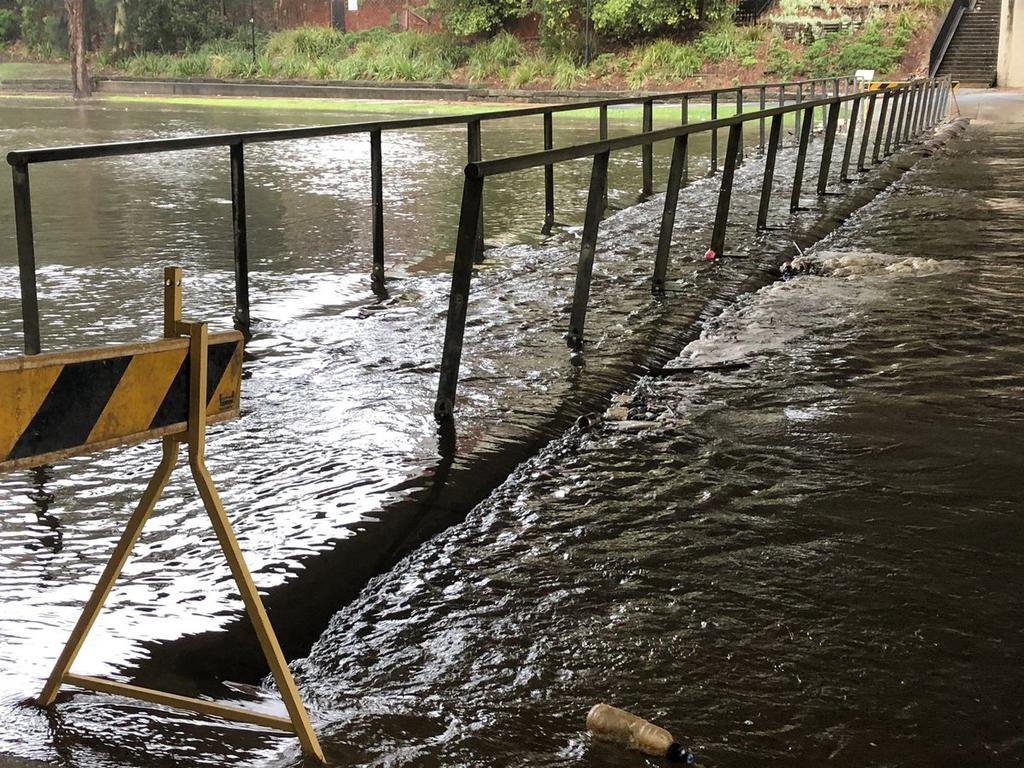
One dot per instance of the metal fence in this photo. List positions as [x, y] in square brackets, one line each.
[906, 109]
[741, 95]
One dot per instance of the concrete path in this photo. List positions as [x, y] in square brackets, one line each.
[991, 105]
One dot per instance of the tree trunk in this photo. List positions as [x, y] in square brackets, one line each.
[76, 48]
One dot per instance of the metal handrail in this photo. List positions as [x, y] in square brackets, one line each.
[147, 146]
[21, 160]
[907, 109]
[945, 34]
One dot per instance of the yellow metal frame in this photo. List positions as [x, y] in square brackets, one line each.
[194, 437]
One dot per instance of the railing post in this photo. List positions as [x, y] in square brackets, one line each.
[458, 299]
[865, 138]
[585, 267]
[238, 228]
[913, 98]
[801, 159]
[603, 134]
[932, 94]
[798, 113]
[851, 135]
[880, 130]
[648, 150]
[26, 259]
[732, 151]
[713, 169]
[377, 209]
[668, 216]
[904, 97]
[774, 135]
[763, 104]
[475, 155]
[814, 112]
[686, 152]
[831, 125]
[739, 111]
[892, 121]
[549, 177]
[846, 92]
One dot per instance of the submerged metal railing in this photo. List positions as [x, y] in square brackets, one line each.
[21, 160]
[906, 109]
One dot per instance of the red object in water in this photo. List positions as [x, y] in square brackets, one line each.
[710, 255]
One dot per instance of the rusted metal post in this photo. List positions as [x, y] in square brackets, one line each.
[26, 259]
[458, 299]
[831, 125]
[242, 319]
[668, 216]
[801, 159]
[732, 151]
[713, 169]
[549, 177]
[648, 150]
[585, 267]
[851, 135]
[880, 129]
[475, 155]
[377, 209]
[774, 135]
[866, 135]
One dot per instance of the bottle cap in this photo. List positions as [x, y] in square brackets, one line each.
[677, 753]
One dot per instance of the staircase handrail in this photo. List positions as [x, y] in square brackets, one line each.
[945, 34]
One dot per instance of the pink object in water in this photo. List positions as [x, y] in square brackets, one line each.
[710, 255]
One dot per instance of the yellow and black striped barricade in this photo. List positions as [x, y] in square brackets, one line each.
[64, 404]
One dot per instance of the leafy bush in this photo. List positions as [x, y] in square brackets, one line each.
[629, 19]
[168, 26]
[718, 44]
[474, 17]
[8, 24]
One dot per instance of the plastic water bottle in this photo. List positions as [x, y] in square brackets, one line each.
[609, 723]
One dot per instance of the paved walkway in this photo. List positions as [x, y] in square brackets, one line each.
[991, 105]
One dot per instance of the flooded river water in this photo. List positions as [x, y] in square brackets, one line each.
[806, 546]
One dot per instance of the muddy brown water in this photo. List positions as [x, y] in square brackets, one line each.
[810, 553]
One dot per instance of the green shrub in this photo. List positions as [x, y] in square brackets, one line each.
[567, 73]
[8, 24]
[664, 60]
[717, 44]
[490, 59]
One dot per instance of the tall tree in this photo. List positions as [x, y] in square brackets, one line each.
[76, 48]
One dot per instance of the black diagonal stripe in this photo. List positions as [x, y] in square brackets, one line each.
[71, 408]
[174, 408]
[220, 357]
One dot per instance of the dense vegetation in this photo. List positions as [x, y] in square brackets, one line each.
[646, 43]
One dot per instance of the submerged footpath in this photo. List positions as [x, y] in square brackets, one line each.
[799, 544]
[519, 389]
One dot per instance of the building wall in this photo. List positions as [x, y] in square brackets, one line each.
[1010, 69]
[298, 13]
[397, 14]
